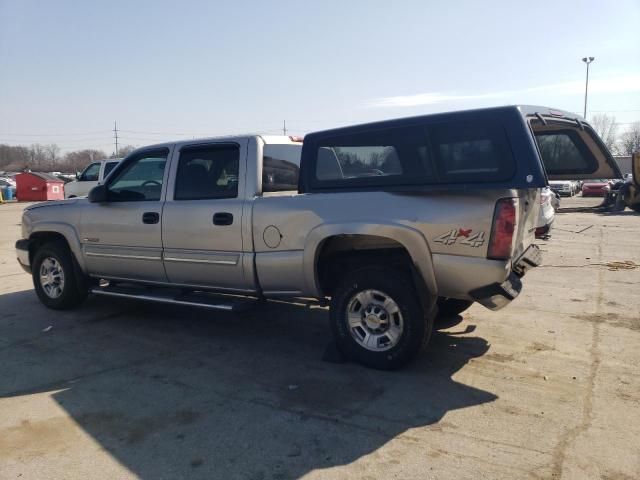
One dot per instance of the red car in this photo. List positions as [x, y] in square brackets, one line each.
[596, 188]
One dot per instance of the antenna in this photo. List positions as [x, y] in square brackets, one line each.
[115, 136]
[284, 127]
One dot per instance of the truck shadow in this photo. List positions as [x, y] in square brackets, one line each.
[186, 393]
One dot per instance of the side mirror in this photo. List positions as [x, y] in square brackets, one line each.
[98, 194]
[78, 175]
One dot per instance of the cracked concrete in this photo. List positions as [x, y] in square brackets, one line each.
[547, 388]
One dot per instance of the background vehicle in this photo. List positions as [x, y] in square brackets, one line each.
[95, 173]
[8, 189]
[388, 220]
[596, 188]
[626, 193]
[547, 213]
[565, 188]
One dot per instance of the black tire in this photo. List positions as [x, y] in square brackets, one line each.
[74, 288]
[396, 284]
[450, 307]
[635, 207]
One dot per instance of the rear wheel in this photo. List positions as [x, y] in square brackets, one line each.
[377, 318]
[55, 278]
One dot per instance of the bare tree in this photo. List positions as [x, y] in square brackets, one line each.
[46, 158]
[52, 152]
[14, 158]
[630, 140]
[76, 161]
[607, 128]
[37, 156]
[123, 151]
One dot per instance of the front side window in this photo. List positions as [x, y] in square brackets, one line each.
[208, 172]
[90, 173]
[140, 180]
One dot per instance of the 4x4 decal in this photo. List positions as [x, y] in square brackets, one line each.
[467, 237]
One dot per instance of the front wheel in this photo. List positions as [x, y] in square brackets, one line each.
[377, 318]
[55, 279]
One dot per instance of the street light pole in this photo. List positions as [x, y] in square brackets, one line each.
[587, 60]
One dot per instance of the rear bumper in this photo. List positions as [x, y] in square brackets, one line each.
[499, 295]
[22, 252]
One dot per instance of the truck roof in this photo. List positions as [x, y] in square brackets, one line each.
[268, 139]
[524, 110]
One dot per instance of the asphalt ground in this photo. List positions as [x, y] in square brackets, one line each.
[548, 387]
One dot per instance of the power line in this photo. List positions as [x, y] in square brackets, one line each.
[53, 134]
[115, 133]
[21, 141]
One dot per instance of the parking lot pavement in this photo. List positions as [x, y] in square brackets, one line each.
[547, 388]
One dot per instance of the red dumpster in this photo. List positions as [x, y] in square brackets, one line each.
[38, 186]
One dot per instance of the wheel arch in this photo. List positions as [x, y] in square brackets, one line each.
[43, 233]
[367, 237]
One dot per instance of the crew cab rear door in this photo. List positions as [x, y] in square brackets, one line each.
[570, 149]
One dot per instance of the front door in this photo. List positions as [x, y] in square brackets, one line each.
[202, 218]
[122, 237]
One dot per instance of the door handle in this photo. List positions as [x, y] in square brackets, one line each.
[222, 218]
[150, 217]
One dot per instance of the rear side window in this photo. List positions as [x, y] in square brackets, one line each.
[108, 167]
[280, 167]
[564, 152]
[372, 158]
[207, 172]
[441, 153]
[471, 152]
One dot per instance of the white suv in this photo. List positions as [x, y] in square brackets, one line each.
[95, 173]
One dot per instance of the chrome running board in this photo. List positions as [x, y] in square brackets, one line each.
[226, 303]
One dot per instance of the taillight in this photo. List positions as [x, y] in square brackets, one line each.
[504, 226]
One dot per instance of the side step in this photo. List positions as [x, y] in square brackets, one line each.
[227, 303]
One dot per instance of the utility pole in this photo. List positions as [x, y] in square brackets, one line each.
[115, 136]
[587, 60]
[284, 127]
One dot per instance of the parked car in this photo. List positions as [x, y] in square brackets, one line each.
[565, 188]
[599, 187]
[91, 176]
[547, 213]
[8, 180]
[390, 221]
[8, 189]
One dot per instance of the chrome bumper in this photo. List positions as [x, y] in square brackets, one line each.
[499, 295]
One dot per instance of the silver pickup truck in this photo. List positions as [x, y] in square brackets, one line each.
[391, 221]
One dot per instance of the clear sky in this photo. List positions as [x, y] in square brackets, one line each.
[178, 69]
